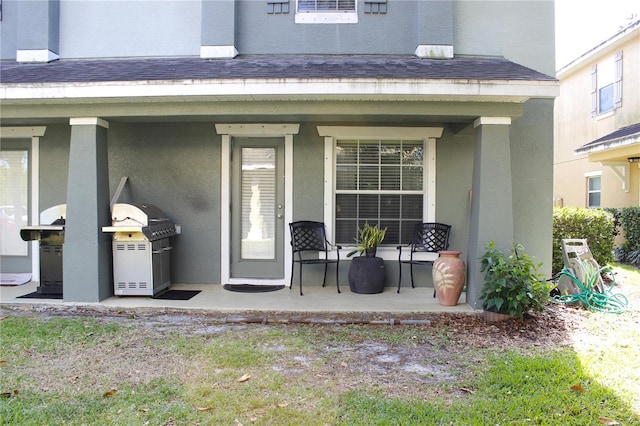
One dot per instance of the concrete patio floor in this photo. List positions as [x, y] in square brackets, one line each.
[213, 298]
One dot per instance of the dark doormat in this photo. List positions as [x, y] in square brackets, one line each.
[252, 288]
[177, 294]
[36, 295]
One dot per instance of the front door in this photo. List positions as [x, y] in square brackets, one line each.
[257, 208]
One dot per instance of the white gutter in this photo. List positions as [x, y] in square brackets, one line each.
[517, 90]
[609, 144]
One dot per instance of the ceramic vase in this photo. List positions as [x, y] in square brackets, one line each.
[449, 273]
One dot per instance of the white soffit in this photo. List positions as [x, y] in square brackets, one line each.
[366, 89]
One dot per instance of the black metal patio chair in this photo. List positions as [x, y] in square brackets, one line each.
[310, 247]
[428, 237]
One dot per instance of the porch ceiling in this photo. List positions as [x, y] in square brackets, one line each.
[377, 112]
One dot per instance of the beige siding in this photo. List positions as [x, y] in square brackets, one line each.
[575, 126]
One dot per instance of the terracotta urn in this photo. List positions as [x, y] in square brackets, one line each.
[449, 273]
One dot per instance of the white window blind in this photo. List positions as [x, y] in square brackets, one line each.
[379, 182]
[326, 5]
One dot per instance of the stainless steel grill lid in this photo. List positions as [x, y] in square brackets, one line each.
[142, 217]
[51, 228]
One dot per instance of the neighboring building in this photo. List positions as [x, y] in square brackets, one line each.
[597, 125]
[386, 111]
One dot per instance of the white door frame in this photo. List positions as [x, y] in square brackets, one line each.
[228, 131]
[34, 133]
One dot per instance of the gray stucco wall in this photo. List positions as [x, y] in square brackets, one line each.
[9, 30]
[532, 170]
[129, 28]
[54, 165]
[38, 27]
[175, 166]
[521, 31]
[399, 31]
[308, 161]
[518, 30]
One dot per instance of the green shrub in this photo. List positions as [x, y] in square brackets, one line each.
[628, 219]
[594, 225]
[512, 284]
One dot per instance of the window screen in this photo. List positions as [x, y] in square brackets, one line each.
[380, 182]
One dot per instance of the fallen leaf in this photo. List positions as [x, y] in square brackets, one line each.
[2, 361]
[577, 388]
[244, 378]
[3, 317]
[6, 394]
[281, 404]
[112, 392]
[607, 421]
[467, 390]
[202, 408]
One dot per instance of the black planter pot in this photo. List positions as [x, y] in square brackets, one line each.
[366, 275]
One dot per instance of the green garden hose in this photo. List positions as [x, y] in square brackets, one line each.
[588, 294]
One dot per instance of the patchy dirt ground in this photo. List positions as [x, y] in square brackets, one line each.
[431, 348]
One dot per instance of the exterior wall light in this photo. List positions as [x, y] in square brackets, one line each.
[633, 159]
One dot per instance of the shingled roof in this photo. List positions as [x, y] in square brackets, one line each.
[621, 137]
[269, 67]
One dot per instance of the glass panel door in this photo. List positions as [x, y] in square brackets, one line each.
[14, 206]
[258, 196]
[257, 208]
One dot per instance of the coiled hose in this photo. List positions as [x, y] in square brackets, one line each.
[588, 294]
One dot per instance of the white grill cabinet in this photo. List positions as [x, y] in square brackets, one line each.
[141, 249]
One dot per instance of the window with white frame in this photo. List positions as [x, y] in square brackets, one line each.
[594, 182]
[606, 85]
[383, 176]
[326, 12]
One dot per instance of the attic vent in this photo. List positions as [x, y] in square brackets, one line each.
[277, 7]
[375, 7]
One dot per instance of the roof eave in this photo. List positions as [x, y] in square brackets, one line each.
[609, 145]
[311, 89]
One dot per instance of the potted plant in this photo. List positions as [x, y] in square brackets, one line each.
[366, 273]
[370, 237]
[512, 284]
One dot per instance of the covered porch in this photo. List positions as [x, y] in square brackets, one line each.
[213, 298]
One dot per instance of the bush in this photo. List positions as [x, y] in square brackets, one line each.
[628, 219]
[512, 284]
[595, 225]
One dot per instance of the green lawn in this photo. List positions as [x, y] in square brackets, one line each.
[85, 371]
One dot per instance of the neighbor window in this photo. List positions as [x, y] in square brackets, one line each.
[383, 176]
[593, 191]
[326, 12]
[606, 85]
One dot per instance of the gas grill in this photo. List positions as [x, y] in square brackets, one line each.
[141, 249]
[51, 238]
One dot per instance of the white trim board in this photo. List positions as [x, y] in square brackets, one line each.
[227, 132]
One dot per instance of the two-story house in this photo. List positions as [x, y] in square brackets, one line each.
[232, 113]
[597, 125]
